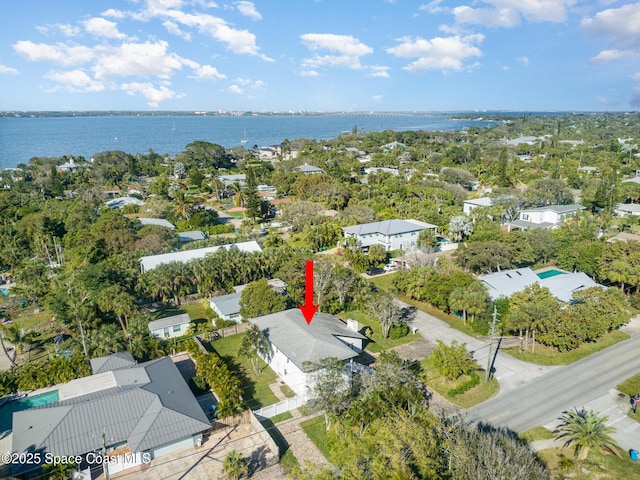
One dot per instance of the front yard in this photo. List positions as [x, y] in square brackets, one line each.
[255, 387]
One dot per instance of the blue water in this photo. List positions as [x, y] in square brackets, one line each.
[4, 292]
[8, 409]
[25, 137]
[549, 273]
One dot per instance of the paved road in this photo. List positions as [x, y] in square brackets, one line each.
[587, 383]
[510, 372]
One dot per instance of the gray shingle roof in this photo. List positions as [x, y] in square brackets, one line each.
[169, 321]
[306, 168]
[227, 304]
[152, 261]
[289, 332]
[388, 227]
[111, 362]
[157, 409]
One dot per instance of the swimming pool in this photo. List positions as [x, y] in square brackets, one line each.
[4, 291]
[7, 410]
[549, 273]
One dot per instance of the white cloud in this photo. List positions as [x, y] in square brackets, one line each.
[347, 48]
[241, 42]
[154, 95]
[524, 61]
[432, 7]
[378, 71]
[174, 29]
[59, 53]
[113, 13]
[102, 27]
[609, 55]
[74, 81]
[66, 29]
[243, 81]
[308, 73]
[620, 25]
[235, 89]
[207, 72]
[4, 70]
[377, 98]
[248, 9]
[449, 53]
[137, 59]
[509, 13]
[258, 84]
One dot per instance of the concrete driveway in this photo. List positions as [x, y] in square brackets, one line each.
[510, 372]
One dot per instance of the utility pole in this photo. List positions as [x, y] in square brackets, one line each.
[491, 332]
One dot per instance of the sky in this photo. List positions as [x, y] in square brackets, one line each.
[320, 55]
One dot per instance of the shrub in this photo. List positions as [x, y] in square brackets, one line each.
[398, 331]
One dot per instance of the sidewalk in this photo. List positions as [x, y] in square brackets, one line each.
[614, 405]
[510, 372]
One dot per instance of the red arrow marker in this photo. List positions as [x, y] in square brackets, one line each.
[309, 309]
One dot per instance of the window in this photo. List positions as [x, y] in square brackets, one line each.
[525, 216]
[176, 328]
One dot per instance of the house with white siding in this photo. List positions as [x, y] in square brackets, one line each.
[295, 344]
[391, 234]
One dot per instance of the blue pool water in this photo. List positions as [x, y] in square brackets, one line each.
[4, 291]
[7, 410]
[549, 273]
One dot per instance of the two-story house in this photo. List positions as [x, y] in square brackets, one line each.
[391, 234]
[549, 216]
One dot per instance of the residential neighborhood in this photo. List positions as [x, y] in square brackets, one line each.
[281, 312]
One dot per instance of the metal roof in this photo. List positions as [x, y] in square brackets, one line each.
[111, 362]
[157, 410]
[299, 342]
[508, 282]
[191, 236]
[160, 222]
[480, 202]
[152, 261]
[169, 321]
[388, 227]
[306, 168]
[556, 208]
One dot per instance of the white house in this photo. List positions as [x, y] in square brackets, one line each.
[227, 307]
[391, 234]
[170, 327]
[625, 209]
[472, 203]
[294, 343]
[549, 216]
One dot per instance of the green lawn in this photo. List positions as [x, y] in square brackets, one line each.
[550, 356]
[601, 466]
[385, 282]
[196, 311]
[379, 343]
[631, 386]
[316, 430]
[478, 394]
[536, 433]
[255, 387]
[281, 417]
[287, 391]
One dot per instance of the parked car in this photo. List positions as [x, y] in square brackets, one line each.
[374, 271]
[390, 267]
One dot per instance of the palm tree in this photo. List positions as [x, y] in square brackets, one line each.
[585, 429]
[254, 345]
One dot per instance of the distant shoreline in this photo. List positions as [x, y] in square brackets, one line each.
[182, 113]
